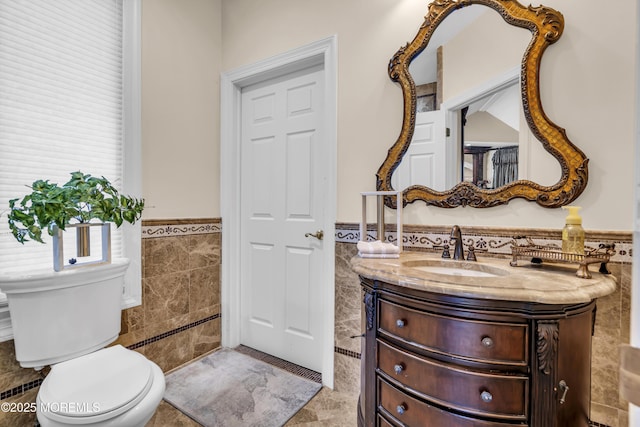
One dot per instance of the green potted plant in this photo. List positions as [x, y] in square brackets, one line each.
[84, 198]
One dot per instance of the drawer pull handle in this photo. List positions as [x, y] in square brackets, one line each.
[400, 323]
[486, 396]
[398, 368]
[564, 388]
[401, 409]
[487, 342]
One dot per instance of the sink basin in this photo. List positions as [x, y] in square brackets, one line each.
[455, 271]
[456, 268]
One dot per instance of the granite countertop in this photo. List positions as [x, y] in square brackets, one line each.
[488, 278]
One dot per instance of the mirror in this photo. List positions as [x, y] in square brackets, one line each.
[474, 132]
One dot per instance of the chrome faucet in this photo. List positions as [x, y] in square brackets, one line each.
[456, 237]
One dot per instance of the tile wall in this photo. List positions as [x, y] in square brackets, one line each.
[179, 318]
[612, 321]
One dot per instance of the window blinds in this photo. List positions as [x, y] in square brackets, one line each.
[61, 104]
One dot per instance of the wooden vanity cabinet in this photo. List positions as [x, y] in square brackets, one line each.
[437, 360]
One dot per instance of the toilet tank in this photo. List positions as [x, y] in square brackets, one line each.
[58, 316]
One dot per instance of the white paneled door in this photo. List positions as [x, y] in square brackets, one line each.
[281, 210]
[425, 160]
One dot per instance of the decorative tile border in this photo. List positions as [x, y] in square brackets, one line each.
[21, 389]
[172, 332]
[345, 352]
[494, 241]
[160, 228]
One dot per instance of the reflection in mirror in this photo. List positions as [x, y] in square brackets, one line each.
[474, 132]
[489, 136]
[467, 87]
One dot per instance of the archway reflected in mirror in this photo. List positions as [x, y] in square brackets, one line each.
[474, 132]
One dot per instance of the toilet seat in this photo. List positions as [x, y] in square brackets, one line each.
[96, 386]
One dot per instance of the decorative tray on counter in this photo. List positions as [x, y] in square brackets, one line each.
[553, 253]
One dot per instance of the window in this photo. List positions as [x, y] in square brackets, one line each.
[69, 100]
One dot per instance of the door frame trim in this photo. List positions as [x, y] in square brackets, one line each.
[231, 83]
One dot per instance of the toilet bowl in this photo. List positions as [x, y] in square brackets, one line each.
[110, 387]
[77, 315]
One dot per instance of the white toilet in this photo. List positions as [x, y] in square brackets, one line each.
[66, 319]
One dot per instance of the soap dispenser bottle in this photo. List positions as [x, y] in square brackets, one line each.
[573, 233]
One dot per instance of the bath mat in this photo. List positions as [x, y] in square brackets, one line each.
[230, 389]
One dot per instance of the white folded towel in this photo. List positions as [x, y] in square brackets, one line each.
[365, 255]
[378, 249]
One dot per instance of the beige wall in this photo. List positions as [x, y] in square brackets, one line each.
[181, 42]
[587, 88]
[487, 48]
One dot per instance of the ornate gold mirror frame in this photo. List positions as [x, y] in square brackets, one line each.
[546, 26]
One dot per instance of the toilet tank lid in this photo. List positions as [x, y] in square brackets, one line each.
[96, 383]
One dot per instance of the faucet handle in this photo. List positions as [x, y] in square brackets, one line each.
[445, 252]
[471, 255]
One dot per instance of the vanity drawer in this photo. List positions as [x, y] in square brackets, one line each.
[502, 343]
[408, 411]
[382, 422]
[472, 392]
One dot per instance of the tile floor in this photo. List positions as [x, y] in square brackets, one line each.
[329, 408]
